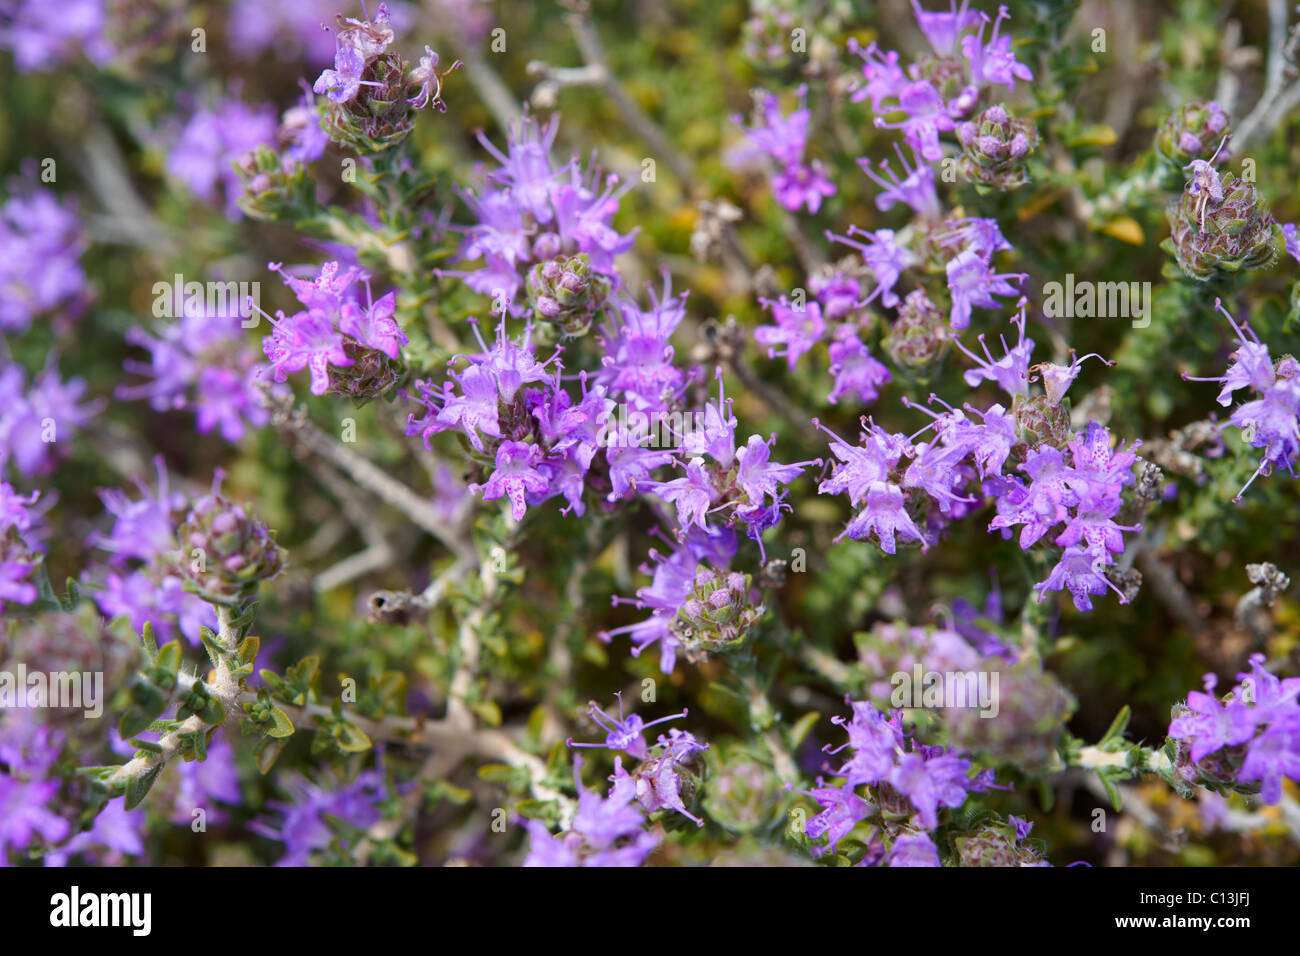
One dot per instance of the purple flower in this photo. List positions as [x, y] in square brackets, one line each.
[972, 282]
[994, 63]
[26, 756]
[200, 363]
[1011, 372]
[842, 810]
[303, 826]
[942, 29]
[38, 424]
[926, 117]
[1081, 572]
[212, 141]
[40, 271]
[605, 831]
[657, 780]
[627, 733]
[784, 139]
[885, 257]
[692, 494]
[1211, 724]
[798, 329]
[856, 371]
[915, 189]
[931, 782]
[913, 849]
[885, 79]
[42, 37]
[515, 476]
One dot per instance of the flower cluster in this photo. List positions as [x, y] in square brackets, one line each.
[784, 139]
[142, 582]
[200, 363]
[37, 424]
[910, 490]
[361, 343]
[1248, 740]
[937, 92]
[908, 784]
[531, 210]
[308, 821]
[1270, 421]
[605, 831]
[212, 141]
[370, 92]
[538, 442]
[663, 778]
[41, 271]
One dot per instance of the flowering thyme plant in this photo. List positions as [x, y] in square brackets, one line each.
[374, 397]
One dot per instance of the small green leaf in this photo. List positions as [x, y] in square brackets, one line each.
[137, 788]
[353, 739]
[282, 726]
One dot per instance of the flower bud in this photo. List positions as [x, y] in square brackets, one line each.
[995, 146]
[225, 551]
[1220, 226]
[717, 615]
[1193, 131]
[918, 339]
[566, 292]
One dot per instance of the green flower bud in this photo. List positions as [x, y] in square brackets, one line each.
[918, 340]
[1193, 131]
[1220, 226]
[995, 148]
[717, 614]
[565, 292]
[225, 551]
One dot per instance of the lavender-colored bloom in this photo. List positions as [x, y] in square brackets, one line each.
[203, 783]
[931, 781]
[856, 371]
[334, 330]
[913, 849]
[200, 363]
[994, 62]
[692, 494]
[657, 781]
[605, 831]
[784, 138]
[926, 117]
[797, 329]
[915, 189]
[515, 476]
[212, 141]
[40, 271]
[301, 131]
[885, 79]
[38, 424]
[41, 38]
[943, 29]
[627, 733]
[885, 257]
[758, 476]
[26, 756]
[1011, 372]
[303, 827]
[1081, 572]
[972, 282]
[673, 578]
[1211, 724]
[117, 833]
[842, 810]
[884, 514]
